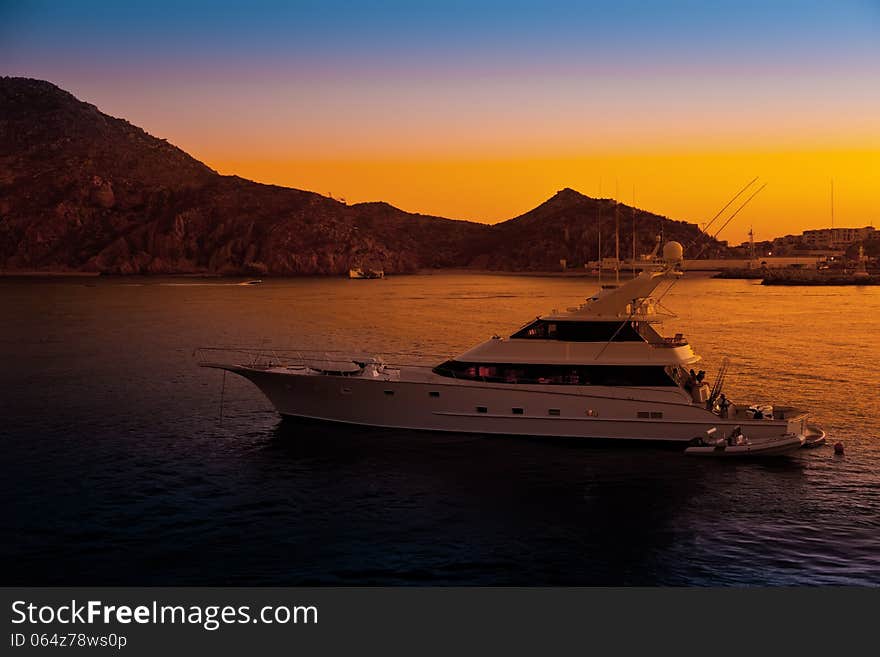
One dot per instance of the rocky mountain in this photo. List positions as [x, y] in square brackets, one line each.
[567, 226]
[84, 191]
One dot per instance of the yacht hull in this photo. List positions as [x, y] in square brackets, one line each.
[435, 404]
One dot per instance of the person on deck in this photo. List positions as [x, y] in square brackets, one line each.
[735, 437]
[724, 405]
[691, 382]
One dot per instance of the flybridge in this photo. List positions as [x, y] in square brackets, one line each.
[632, 300]
[568, 330]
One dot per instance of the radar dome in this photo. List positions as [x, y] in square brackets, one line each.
[673, 252]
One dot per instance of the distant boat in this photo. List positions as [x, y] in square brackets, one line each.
[606, 266]
[826, 273]
[361, 273]
[829, 271]
[256, 281]
[819, 279]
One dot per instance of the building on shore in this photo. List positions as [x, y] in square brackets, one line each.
[835, 238]
[822, 241]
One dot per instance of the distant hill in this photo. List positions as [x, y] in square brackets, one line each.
[84, 191]
[567, 226]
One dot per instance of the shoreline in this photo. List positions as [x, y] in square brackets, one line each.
[54, 274]
[453, 271]
[712, 266]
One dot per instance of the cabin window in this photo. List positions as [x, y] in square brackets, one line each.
[557, 374]
[482, 409]
[516, 411]
[643, 415]
[389, 392]
[553, 411]
[655, 415]
[572, 331]
[433, 393]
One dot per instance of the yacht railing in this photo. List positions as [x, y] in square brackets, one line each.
[678, 340]
[656, 340]
[265, 358]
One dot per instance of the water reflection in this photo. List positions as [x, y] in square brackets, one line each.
[564, 511]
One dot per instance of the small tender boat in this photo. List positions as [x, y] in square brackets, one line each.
[738, 445]
[362, 273]
[814, 436]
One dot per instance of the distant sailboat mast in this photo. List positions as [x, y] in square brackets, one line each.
[634, 232]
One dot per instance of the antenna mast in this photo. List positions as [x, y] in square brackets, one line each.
[832, 207]
[616, 234]
[751, 247]
[744, 204]
[599, 229]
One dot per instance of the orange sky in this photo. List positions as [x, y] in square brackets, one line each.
[481, 109]
[691, 186]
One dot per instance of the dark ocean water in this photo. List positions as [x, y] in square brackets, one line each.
[116, 469]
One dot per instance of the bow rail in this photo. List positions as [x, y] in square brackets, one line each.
[265, 358]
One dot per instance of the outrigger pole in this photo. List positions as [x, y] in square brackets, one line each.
[745, 203]
[705, 230]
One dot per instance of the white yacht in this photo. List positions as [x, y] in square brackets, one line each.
[599, 370]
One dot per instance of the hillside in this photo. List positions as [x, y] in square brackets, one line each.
[84, 191]
[567, 226]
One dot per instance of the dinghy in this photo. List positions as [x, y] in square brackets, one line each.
[738, 445]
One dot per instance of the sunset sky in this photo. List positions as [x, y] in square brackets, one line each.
[481, 110]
